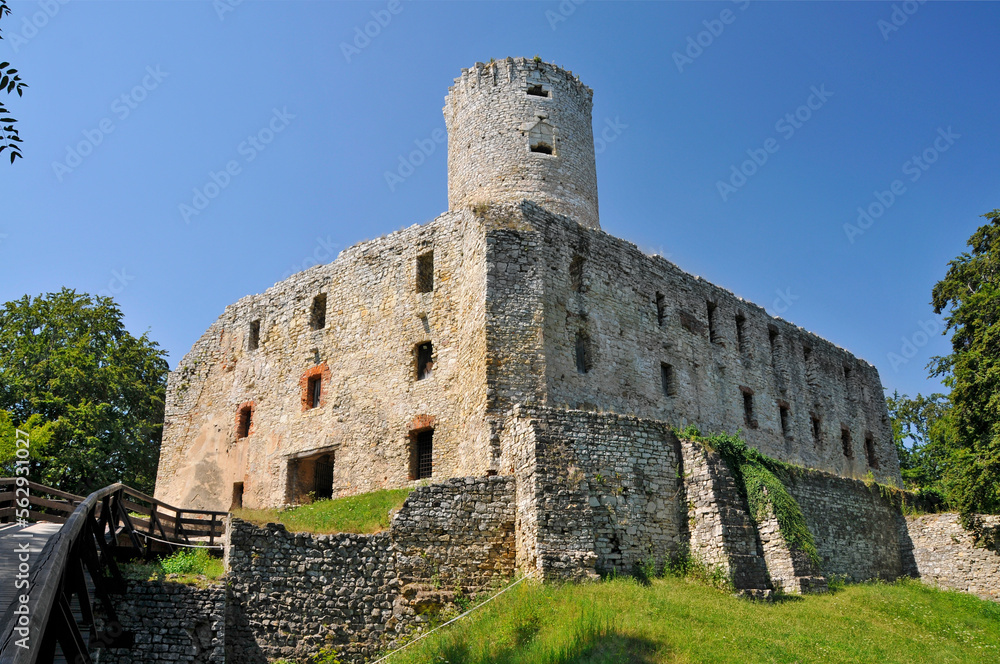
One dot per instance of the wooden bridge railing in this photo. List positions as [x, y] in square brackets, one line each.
[96, 531]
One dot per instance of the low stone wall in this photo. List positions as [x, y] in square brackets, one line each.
[947, 555]
[292, 595]
[855, 528]
[172, 623]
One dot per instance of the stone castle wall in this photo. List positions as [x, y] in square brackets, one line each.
[495, 113]
[628, 314]
[365, 355]
[946, 555]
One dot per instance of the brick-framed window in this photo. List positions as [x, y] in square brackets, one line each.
[314, 384]
[245, 420]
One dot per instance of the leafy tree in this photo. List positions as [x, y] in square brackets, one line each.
[9, 82]
[970, 293]
[923, 432]
[88, 393]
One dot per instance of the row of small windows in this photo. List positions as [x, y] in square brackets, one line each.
[317, 311]
[816, 426]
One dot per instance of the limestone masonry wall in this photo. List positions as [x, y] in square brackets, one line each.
[947, 555]
[171, 623]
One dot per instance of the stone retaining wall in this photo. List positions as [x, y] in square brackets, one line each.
[947, 555]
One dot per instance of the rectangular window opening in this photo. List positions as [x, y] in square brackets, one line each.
[713, 333]
[421, 454]
[542, 147]
[817, 428]
[315, 391]
[870, 451]
[253, 339]
[661, 307]
[425, 360]
[425, 272]
[583, 359]
[237, 503]
[244, 422]
[537, 91]
[786, 424]
[317, 318]
[667, 379]
[741, 339]
[576, 273]
[845, 441]
[807, 353]
[772, 338]
[748, 414]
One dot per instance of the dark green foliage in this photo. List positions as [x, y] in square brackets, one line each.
[759, 479]
[970, 294]
[10, 81]
[89, 393]
[924, 436]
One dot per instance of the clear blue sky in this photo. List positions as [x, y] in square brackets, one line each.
[109, 219]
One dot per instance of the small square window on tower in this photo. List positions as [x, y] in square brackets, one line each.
[537, 91]
[425, 272]
[541, 138]
[425, 360]
[421, 454]
[317, 315]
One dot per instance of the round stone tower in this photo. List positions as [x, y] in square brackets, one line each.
[520, 129]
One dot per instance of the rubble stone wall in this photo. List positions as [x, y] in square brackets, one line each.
[947, 555]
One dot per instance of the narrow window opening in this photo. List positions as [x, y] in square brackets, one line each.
[713, 335]
[870, 450]
[667, 379]
[323, 477]
[243, 422]
[772, 338]
[541, 138]
[317, 319]
[537, 91]
[786, 423]
[315, 391]
[425, 272]
[253, 340]
[847, 375]
[421, 454]
[741, 338]
[425, 360]
[237, 503]
[845, 441]
[576, 273]
[807, 353]
[817, 428]
[748, 414]
[661, 308]
[583, 359]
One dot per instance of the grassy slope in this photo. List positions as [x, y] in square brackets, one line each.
[674, 620]
[366, 513]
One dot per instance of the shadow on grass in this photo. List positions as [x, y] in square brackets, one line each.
[608, 647]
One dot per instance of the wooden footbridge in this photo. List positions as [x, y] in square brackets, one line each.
[59, 556]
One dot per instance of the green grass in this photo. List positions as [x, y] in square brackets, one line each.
[676, 620]
[365, 513]
[192, 567]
